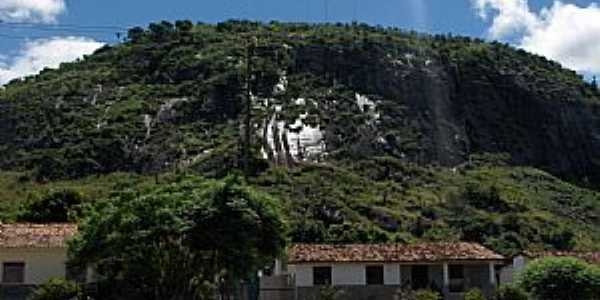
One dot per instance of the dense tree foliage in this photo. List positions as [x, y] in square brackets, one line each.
[186, 240]
[561, 279]
[53, 207]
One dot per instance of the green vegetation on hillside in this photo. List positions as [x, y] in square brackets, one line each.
[457, 138]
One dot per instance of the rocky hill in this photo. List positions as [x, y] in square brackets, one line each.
[365, 133]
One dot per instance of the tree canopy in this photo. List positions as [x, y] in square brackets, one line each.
[58, 206]
[180, 241]
[563, 278]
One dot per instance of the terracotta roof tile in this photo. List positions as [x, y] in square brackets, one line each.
[427, 252]
[25, 235]
[590, 257]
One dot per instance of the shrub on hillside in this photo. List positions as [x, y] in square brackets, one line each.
[54, 207]
[562, 278]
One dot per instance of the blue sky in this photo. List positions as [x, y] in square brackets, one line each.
[520, 22]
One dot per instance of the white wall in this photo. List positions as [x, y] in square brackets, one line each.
[344, 274]
[348, 274]
[303, 274]
[40, 264]
[510, 273]
[391, 274]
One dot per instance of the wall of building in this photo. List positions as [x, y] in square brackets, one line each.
[354, 292]
[345, 274]
[511, 272]
[478, 276]
[278, 287]
[40, 264]
[351, 280]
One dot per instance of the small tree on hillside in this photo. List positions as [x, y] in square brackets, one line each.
[186, 240]
[561, 279]
[53, 207]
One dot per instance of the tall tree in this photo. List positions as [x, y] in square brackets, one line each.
[181, 241]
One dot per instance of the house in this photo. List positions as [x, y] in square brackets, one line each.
[519, 262]
[382, 271]
[31, 254]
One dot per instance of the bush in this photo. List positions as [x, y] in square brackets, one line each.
[427, 295]
[55, 207]
[561, 278]
[329, 293]
[510, 292]
[474, 294]
[57, 289]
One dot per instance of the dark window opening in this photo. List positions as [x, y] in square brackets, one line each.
[374, 275]
[457, 278]
[13, 272]
[420, 277]
[322, 275]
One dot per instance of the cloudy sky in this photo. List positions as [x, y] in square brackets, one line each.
[35, 34]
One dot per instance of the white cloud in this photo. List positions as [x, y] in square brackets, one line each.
[513, 16]
[44, 11]
[567, 33]
[46, 53]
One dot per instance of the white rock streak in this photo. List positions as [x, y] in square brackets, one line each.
[305, 141]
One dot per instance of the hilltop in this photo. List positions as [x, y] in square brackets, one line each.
[364, 133]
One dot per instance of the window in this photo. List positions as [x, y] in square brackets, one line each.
[457, 278]
[374, 275]
[322, 275]
[420, 277]
[13, 272]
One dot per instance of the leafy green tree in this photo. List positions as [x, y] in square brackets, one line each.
[561, 279]
[184, 25]
[55, 207]
[184, 240]
[161, 31]
[57, 289]
[135, 34]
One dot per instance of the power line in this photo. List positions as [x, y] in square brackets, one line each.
[33, 37]
[66, 30]
[64, 26]
[78, 31]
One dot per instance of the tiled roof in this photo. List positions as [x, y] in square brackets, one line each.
[590, 257]
[25, 235]
[427, 252]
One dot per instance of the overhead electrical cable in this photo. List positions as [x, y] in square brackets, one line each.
[64, 26]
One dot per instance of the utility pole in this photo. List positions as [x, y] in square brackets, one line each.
[248, 116]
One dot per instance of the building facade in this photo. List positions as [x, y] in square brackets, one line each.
[31, 254]
[387, 271]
